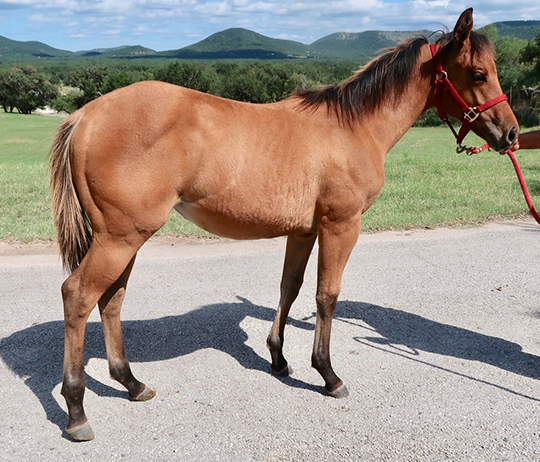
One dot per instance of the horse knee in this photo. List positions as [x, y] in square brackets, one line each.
[326, 302]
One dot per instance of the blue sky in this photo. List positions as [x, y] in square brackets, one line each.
[171, 24]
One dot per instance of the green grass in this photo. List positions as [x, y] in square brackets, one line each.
[427, 183]
[24, 202]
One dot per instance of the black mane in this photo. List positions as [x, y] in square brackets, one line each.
[383, 79]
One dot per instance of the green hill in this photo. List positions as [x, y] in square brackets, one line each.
[362, 45]
[14, 50]
[240, 43]
[526, 30]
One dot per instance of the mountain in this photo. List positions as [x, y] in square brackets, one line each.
[526, 30]
[240, 43]
[13, 49]
[362, 45]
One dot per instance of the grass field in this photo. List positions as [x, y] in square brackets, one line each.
[427, 183]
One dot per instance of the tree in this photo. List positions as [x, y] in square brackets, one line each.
[514, 68]
[189, 75]
[508, 52]
[25, 90]
[531, 54]
[90, 83]
[115, 80]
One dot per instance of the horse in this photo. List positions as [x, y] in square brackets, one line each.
[306, 167]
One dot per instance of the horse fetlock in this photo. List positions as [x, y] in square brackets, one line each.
[282, 371]
[321, 364]
[73, 391]
[274, 343]
[121, 373]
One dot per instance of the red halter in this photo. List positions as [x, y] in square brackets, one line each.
[470, 114]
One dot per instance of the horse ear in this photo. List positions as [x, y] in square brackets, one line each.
[464, 26]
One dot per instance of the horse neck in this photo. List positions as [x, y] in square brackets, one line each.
[393, 119]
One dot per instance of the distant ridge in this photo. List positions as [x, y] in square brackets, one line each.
[119, 52]
[361, 45]
[13, 49]
[525, 30]
[241, 43]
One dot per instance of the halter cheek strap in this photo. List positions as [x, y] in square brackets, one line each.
[470, 114]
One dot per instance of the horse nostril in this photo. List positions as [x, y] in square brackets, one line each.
[512, 135]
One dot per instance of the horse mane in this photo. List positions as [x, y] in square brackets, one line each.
[383, 79]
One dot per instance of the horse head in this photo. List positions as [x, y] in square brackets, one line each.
[468, 87]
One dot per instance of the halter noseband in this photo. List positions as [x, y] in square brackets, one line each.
[470, 114]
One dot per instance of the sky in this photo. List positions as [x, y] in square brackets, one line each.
[171, 24]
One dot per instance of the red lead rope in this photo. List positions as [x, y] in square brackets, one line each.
[520, 178]
[523, 186]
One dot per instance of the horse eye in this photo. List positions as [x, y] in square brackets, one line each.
[479, 77]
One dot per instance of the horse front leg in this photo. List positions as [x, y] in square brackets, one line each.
[296, 258]
[336, 241]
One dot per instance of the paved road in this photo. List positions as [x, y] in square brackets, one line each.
[437, 337]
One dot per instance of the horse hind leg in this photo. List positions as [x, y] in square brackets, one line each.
[296, 258]
[102, 266]
[110, 306]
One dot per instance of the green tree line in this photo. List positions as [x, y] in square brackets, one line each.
[66, 89]
[257, 82]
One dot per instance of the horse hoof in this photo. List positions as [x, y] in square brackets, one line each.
[145, 395]
[83, 432]
[285, 372]
[339, 392]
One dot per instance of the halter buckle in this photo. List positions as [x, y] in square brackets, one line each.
[471, 115]
[442, 75]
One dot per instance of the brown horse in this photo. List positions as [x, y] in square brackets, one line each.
[306, 167]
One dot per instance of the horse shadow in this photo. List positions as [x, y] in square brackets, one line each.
[36, 353]
[406, 334]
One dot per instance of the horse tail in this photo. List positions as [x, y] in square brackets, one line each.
[72, 225]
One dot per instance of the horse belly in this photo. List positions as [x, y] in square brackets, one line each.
[244, 223]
